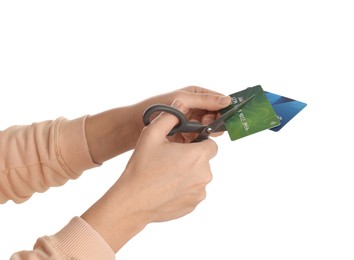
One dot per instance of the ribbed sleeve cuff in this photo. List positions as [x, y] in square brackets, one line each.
[78, 240]
[72, 148]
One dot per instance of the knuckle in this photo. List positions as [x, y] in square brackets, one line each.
[191, 209]
[202, 195]
[208, 178]
[192, 89]
[215, 146]
[208, 148]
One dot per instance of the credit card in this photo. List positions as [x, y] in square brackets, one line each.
[255, 116]
[285, 108]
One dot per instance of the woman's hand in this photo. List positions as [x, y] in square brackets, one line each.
[163, 180]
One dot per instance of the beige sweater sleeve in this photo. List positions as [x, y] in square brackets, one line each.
[36, 157]
[42, 155]
[77, 240]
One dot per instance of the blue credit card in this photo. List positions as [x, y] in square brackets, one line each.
[285, 108]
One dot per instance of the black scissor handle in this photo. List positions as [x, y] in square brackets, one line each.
[184, 126]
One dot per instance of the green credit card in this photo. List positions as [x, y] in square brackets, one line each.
[256, 115]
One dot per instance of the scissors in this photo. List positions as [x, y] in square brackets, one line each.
[185, 126]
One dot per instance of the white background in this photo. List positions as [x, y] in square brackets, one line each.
[285, 195]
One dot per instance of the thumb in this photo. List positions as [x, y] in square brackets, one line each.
[164, 122]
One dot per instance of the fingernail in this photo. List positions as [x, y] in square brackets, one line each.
[224, 100]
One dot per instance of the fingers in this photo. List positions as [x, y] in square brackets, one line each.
[189, 137]
[164, 122]
[208, 118]
[204, 99]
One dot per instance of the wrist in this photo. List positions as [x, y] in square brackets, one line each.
[111, 133]
[116, 217]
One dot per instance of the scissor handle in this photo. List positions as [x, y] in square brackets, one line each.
[184, 126]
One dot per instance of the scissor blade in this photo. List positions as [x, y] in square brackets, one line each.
[221, 128]
[219, 124]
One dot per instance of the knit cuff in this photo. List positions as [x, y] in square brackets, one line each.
[78, 240]
[72, 148]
